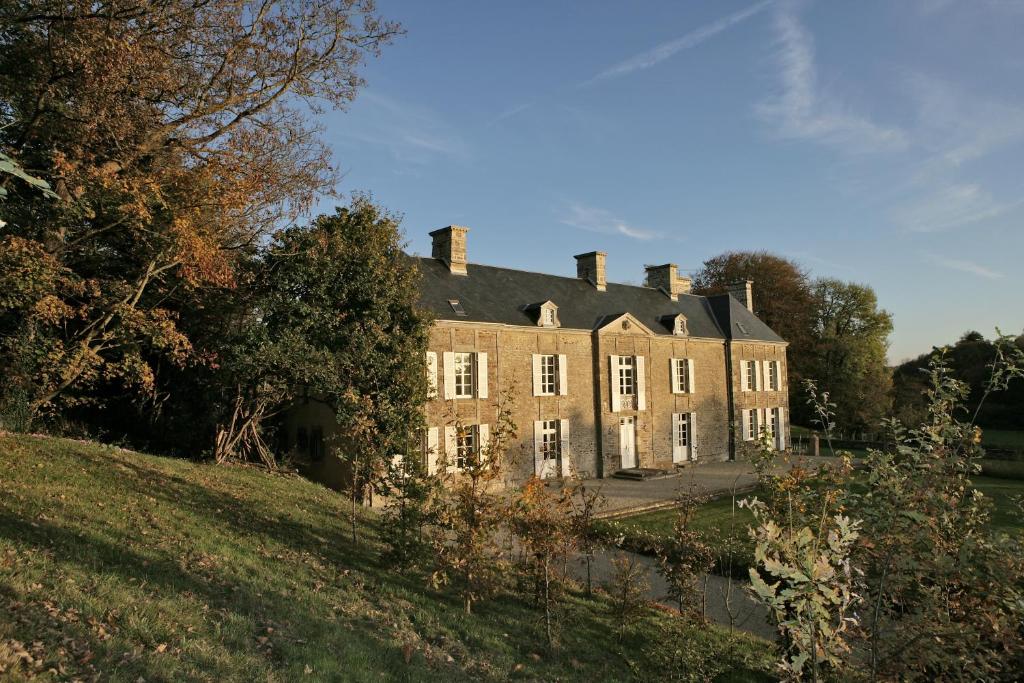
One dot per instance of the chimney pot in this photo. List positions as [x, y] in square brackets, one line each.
[449, 246]
[590, 267]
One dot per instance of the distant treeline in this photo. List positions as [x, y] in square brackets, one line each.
[969, 359]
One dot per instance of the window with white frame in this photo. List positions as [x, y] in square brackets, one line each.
[771, 426]
[681, 372]
[751, 372]
[773, 375]
[682, 435]
[751, 424]
[466, 444]
[550, 441]
[627, 376]
[548, 317]
[463, 375]
[548, 375]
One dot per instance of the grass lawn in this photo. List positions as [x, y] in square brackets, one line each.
[727, 526]
[120, 566]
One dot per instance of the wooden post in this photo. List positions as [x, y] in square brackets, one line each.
[815, 446]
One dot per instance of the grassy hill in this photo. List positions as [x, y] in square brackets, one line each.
[116, 565]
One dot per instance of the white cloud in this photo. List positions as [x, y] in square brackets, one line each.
[801, 110]
[963, 266]
[603, 221]
[660, 53]
[950, 207]
[412, 134]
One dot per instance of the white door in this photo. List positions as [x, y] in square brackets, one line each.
[627, 442]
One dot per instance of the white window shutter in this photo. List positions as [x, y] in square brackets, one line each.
[744, 378]
[449, 375]
[757, 375]
[780, 437]
[745, 418]
[691, 437]
[483, 434]
[449, 447]
[767, 367]
[613, 385]
[536, 374]
[677, 450]
[762, 421]
[538, 445]
[673, 367]
[563, 445]
[432, 450]
[563, 374]
[691, 379]
[481, 375]
[641, 384]
[431, 374]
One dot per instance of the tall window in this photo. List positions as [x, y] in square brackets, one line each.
[463, 375]
[549, 317]
[751, 424]
[627, 376]
[751, 375]
[680, 368]
[549, 444]
[773, 423]
[773, 375]
[549, 375]
[682, 434]
[465, 446]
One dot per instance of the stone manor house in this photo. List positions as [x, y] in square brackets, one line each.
[604, 376]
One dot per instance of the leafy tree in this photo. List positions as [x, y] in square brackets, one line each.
[686, 557]
[627, 587]
[849, 354]
[586, 503]
[540, 519]
[178, 135]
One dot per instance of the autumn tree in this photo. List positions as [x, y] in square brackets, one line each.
[178, 135]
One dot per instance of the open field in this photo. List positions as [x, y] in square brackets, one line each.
[119, 566]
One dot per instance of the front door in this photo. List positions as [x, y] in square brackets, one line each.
[627, 442]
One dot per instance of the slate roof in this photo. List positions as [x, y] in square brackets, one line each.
[489, 294]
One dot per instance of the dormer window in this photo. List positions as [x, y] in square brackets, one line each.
[545, 314]
[457, 307]
[679, 329]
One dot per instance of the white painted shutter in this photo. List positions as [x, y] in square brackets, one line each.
[767, 367]
[762, 421]
[449, 375]
[563, 436]
[536, 374]
[449, 447]
[432, 449]
[781, 436]
[674, 375]
[431, 374]
[745, 419]
[757, 375]
[613, 384]
[483, 434]
[744, 379]
[678, 455]
[563, 374]
[481, 375]
[691, 437]
[641, 384]
[538, 445]
[691, 379]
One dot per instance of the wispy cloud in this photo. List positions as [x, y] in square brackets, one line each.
[801, 110]
[508, 113]
[950, 207]
[412, 134]
[962, 266]
[603, 221]
[660, 53]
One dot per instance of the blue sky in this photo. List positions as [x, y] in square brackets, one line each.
[880, 142]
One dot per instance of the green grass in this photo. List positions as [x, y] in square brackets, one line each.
[120, 566]
[1003, 438]
[727, 526]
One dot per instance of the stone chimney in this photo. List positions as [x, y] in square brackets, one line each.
[449, 246]
[667, 279]
[743, 292]
[590, 267]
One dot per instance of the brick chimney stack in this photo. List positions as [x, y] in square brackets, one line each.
[743, 292]
[449, 246]
[667, 279]
[590, 267]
